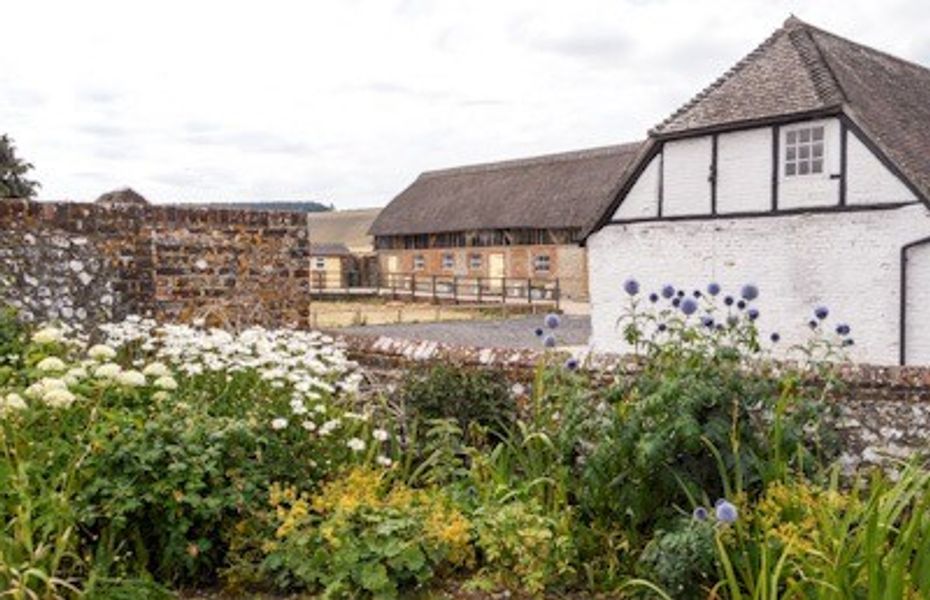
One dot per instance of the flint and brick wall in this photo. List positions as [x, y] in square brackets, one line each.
[83, 263]
[881, 416]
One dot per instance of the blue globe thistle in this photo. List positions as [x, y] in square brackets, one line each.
[812, 324]
[549, 342]
[662, 327]
[741, 304]
[553, 321]
[749, 292]
[842, 329]
[680, 293]
[713, 289]
[571, 364]
[668, 291]
[696, 293]
[699, 514]
[726, 512]
[707, 321]
[775, 337]
[821, 312]
[539, 332]
[753, 314]
[728, 300]
[688, 306]
[848, 342]
[676, 302]
[653, 297]
[631, 287]
[719, 502]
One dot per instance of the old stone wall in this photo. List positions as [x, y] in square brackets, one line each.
[882, 413]
[83, 263]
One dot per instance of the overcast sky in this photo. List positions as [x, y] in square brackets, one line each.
[346, 101]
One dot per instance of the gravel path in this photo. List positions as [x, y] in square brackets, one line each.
[508, 333]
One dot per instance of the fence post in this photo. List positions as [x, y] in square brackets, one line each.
[413, 288]
[478, 285]
[393, 279]
[503, 290]
[558, 295]
[435, 299]
[455, 289]
[529, 291]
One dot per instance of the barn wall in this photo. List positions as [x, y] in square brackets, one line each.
[641, 201]
[686, 187]
[744, 171]
[869, 181]
[848, 261]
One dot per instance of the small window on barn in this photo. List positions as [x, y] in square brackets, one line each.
[319, 262]
[541, 263]
[804, 151]
[448, 261]
[419, 262]
[474, 261]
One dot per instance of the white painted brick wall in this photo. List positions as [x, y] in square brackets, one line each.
[847, 261]
[642, 199]
[868, 181]
[812, 190]
[686, 170]
[744, 171]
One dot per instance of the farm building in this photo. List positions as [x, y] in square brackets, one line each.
[804, 170]
[516, 220]
[342, 251]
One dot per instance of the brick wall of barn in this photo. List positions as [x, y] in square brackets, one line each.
[85, 263]
[848, 261]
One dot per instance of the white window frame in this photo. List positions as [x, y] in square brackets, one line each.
[537, 263]
[473, 264]
[797, 147]
[448, 261]
[319, 263]
[419, 262]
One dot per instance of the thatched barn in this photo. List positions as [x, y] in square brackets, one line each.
[512, 220]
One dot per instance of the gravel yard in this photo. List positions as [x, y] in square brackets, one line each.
[507, 333]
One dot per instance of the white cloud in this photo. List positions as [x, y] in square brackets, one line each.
[347, 101]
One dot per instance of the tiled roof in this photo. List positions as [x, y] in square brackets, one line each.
[801, 69]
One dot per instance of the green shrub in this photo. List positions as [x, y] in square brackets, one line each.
[682, 560]
[467, 395]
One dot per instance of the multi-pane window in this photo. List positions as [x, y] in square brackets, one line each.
[474, 261]
[419, 262]
[448, 261]
[319, 262]
[804, 151]
[541, 263]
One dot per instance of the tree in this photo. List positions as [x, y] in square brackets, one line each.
[13, 170]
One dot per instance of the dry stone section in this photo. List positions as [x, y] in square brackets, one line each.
[85, 263]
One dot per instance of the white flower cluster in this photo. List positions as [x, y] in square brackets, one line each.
[309, 361]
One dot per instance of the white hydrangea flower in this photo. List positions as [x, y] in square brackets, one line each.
[12, 401]
[101, 352]
[329, 426]
[166, 382]
[308, 425]
[130, 378]
[58, 398]
[278, 423]
[161, 396]
[108, 371]
[355, 444]
[384, 461]
[47, 335]
[381, 435]
[156, 369]
[51, 363]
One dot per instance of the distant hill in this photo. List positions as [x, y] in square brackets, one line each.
[307, 207]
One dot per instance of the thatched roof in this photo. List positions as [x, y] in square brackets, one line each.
[801, 69]
[349, 227]
[554, 191]
[123, 197]
[329, 249]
